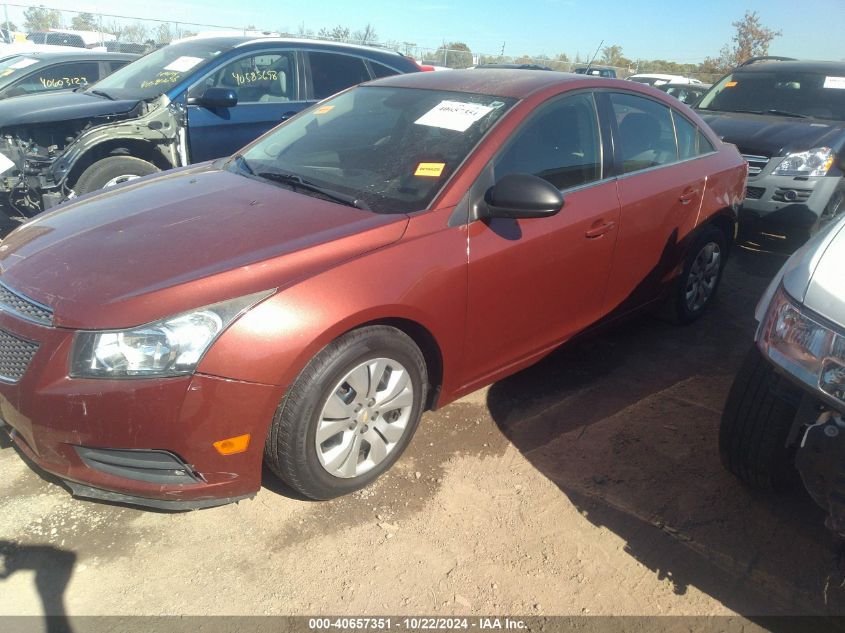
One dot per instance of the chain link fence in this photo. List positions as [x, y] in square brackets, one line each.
[121, 33]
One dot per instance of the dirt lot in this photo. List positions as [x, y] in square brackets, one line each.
[587, 484]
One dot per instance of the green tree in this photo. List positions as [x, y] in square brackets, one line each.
[612, 56]
[84, 22]
[41, 19]
[751, 39]
[454, 55]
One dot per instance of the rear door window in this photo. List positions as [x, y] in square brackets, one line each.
[645, 134]
[333, 72]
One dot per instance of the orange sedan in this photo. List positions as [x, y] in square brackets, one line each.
[389, 250]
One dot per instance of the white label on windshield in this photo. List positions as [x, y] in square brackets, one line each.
[181, 64]
[835, 82]
[453, 115]
[5, 164]
[26, 61]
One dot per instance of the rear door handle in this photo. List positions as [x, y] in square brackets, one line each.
[599, 228]
[688, 196]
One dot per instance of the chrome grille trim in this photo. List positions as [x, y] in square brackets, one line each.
[15, 356]
[756, 164]
[24, 307]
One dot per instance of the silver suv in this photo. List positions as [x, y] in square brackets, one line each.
[788, 120]
[786, 408]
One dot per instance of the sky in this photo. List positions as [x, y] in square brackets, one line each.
[684, 31]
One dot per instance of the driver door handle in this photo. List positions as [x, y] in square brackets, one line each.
[599, 228]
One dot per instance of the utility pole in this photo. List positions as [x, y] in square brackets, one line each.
[502, 52]
[6, 19]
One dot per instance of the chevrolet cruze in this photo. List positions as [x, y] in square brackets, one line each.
[387, 251]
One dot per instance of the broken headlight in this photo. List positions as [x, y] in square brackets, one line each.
[170, 347]
[801, 344]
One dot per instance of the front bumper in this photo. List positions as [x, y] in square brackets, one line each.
[81, 430]
[784, 209]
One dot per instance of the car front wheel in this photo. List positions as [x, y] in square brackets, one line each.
[112, 171]
[756, 422]
[350, 414]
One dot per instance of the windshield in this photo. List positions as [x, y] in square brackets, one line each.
[153, 74]
[11, 68]
[386, 149]
[787, 93]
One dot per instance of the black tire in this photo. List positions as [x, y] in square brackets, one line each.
[104, 171]
[756, 423]
[291, 450]
[709, 237]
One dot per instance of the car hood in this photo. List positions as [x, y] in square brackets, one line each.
[177, 241]
[813, 275]
[50, 107]
[768, 135]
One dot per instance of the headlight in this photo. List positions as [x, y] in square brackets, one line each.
[809, 350]
[170, 347]
[815, 162]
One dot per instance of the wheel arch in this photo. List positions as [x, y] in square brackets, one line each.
[427, 343]
[726, 221]
[135, 148]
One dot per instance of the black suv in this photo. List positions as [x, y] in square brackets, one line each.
[787, 118]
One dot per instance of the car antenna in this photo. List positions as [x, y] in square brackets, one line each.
[590, 63]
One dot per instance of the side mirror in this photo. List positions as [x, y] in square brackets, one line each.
[215, 98]
[522, 196]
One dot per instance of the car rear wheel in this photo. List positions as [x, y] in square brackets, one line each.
[756, 423]
[112, 171]
[701, 275]
[350, 414]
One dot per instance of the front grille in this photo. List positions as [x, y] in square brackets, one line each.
[784, 194]
[26, 308]
[15, 356]
[756, 164]
[755, 193]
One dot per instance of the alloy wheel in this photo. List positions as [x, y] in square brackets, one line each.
[703, 276]
[364, 417]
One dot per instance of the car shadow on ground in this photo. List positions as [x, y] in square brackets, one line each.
[626, 422]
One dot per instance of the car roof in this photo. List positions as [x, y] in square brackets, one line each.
[802, 65]
[234, 41]
[81, 54]
[489, 81]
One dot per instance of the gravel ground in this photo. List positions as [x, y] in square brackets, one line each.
[589, 483]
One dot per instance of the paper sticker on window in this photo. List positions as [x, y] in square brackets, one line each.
[26, 61]
[182, 64]
[837, 83]
[731, 84]
[430, 170]
[323, 109]
[453, 115]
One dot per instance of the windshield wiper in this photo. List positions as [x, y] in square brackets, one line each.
[298, 183]
[787, 113]
[100, 93]
[772, 111]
